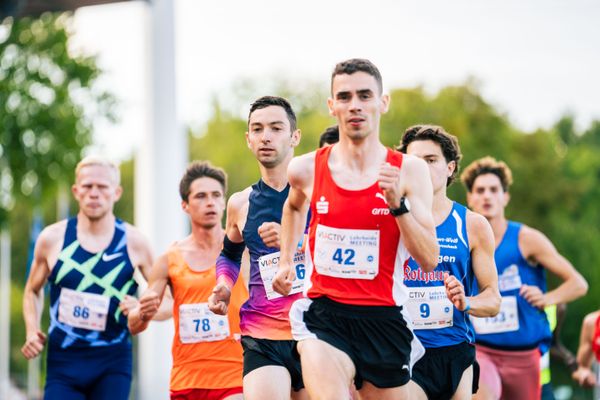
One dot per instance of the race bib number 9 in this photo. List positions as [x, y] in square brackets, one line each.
[507, 319]
[268, 265]
[429, 308]
[83, 310]
[347, 253]
[198, 324]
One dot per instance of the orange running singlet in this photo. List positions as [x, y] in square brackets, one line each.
[207, 353]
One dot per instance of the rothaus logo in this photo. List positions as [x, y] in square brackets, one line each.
[383, 210]
[322, 206]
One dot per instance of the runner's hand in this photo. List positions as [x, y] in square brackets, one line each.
[270, 234]
[149, 303]
[34, 344]
[584, 377]
[389, 183]
[533, 295]
[127, 304]
[455, 291]
[284, 278]
[218, 301]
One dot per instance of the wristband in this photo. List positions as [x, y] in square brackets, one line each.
[468, 307]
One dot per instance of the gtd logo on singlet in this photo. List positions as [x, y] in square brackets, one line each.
[381, 211]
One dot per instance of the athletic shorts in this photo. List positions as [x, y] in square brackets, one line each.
[97, 373]
[263, 352]
[440, 370]
[205, 394]
[377, 339]
[510, 374]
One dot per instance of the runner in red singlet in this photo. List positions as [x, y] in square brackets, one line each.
[370, 207]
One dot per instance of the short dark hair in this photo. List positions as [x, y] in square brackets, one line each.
[200, 169]
[448, 143]
[487, 165]
[330, 136]
[357, 65]
[267, 101]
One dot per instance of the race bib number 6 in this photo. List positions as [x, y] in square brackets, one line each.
[347, 253]
[83, 310]
[268, 266]
[198, 324]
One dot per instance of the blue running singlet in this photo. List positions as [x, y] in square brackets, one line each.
[437, 323]
[518, 325]
[85, 292]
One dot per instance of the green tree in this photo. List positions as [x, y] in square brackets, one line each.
[48, 103]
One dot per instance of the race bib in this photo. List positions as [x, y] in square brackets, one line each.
[509, 279]
[347, 253]
[198, 324]
[268, 266]
[83, 310]
[507, 319]
[429, 307]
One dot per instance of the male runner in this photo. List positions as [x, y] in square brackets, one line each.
[509, 345]
[589, 349]
[89, 261]
[370, 207]
[253, 218]
[207, 355]
[439, 301]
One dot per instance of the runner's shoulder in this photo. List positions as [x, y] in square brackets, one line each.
[52, 235]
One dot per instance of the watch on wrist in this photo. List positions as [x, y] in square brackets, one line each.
[403, 209]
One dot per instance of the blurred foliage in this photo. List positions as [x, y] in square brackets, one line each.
[48, 102]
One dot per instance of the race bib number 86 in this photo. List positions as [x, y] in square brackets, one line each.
[83, 310]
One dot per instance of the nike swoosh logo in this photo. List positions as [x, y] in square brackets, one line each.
[110, 257]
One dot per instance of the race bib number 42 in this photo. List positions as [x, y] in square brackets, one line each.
[198, 324]
[347, 253]
[268, 266]
[83, 310]
[507, 319]
[429, 307]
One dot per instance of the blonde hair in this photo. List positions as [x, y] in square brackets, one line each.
[100, 161]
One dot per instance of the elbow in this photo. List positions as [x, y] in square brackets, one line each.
[496, 302]
[429, 260]
[582, 287]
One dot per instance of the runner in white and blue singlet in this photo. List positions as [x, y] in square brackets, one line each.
[440, 300]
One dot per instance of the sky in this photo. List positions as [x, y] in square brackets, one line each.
[535, 60]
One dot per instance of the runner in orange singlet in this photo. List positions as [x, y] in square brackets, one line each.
[207, 354]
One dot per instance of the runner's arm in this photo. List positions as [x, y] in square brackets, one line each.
[139, 318]
[537, 247]
[481, 237]
[229, 261]
[417, 226]
[293, 219]
[583, 374]
[33, 296]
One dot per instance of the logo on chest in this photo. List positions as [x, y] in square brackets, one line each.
[322, 205]
[383, 210]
